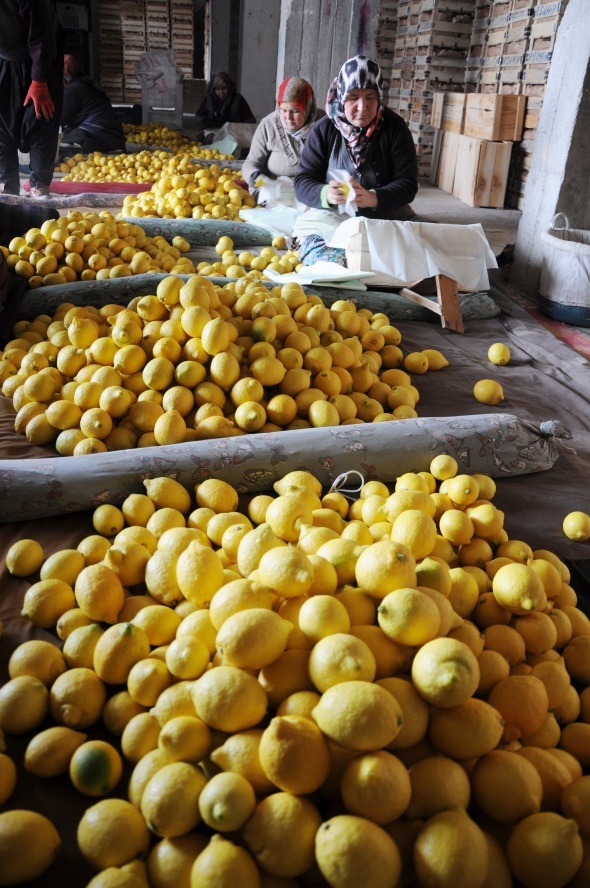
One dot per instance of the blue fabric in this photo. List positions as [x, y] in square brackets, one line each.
[313, 249]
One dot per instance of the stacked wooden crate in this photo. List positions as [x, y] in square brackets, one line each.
[429, 53]
[478, 131]
[182, 34]
[111, 49]
[532, 79]
[128, 28]
[385, 42]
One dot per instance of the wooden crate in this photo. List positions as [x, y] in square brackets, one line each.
[448, 109]
[481, 171]
[498, 118]
[447, 162]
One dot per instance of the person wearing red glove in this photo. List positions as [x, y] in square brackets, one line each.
[31, 92]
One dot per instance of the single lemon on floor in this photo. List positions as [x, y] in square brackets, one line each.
[24, 558]
[576, 526]
[498, 353]
[488, 391]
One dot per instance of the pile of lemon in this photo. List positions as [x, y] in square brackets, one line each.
[248, 264]
[145, 166]
[155, 133]
[194, 361]
[191, 192]
[308, 688]
[90, 246]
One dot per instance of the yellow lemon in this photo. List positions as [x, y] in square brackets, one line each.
[352, 850]
[29, 843]
[409, 616]
[499, 353]
[451, 846]
[99, 593]
[44, 602]
[488, 391]
[445, 672]
[41, 659]
[294, 754]
[185, 738]
[229, 699]
[224, 863]
[217, 495]
[339, 658]
[281, 832]
[171, 860]
[117, 650]
[49, 752]
[436, 360]
[252, 638]
[519, 589]
[95, 768]
[24, 558]
[199, 573]
[112, 832]
[77, 698]
[227, 802]
[576, 526]
[24, 703]
[545, 848]
[169, 802]
[383, 567]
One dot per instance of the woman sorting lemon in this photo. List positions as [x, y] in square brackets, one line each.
[366, 140]
[280, 136]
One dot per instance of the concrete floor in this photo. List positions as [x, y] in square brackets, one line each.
[500, 225]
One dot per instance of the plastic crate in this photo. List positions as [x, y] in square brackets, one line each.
[162, 105]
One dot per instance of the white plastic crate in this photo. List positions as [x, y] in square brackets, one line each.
[162, 105]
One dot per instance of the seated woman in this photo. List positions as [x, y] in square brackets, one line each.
[370, 142]
[87, 117]
[222, 104]
[280, 136]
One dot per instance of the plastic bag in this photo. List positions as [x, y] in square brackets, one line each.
[343, 177]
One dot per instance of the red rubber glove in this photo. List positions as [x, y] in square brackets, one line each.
[39, 95]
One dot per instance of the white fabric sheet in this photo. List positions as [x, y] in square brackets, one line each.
[410, 251]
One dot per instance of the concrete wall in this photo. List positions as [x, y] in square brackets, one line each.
[258, 53]
[317, 36]
[559, 179]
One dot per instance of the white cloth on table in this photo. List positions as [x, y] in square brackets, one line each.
[412, 251]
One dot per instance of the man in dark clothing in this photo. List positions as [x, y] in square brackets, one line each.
[31, 91]
[87, 117]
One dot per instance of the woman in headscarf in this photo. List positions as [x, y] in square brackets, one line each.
[367, 140]
[280, 136]
[222, 104]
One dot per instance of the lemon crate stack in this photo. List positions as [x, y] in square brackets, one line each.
[429, 52]
[510, 53]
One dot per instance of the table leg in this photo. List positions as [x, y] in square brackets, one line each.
[448, 297]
